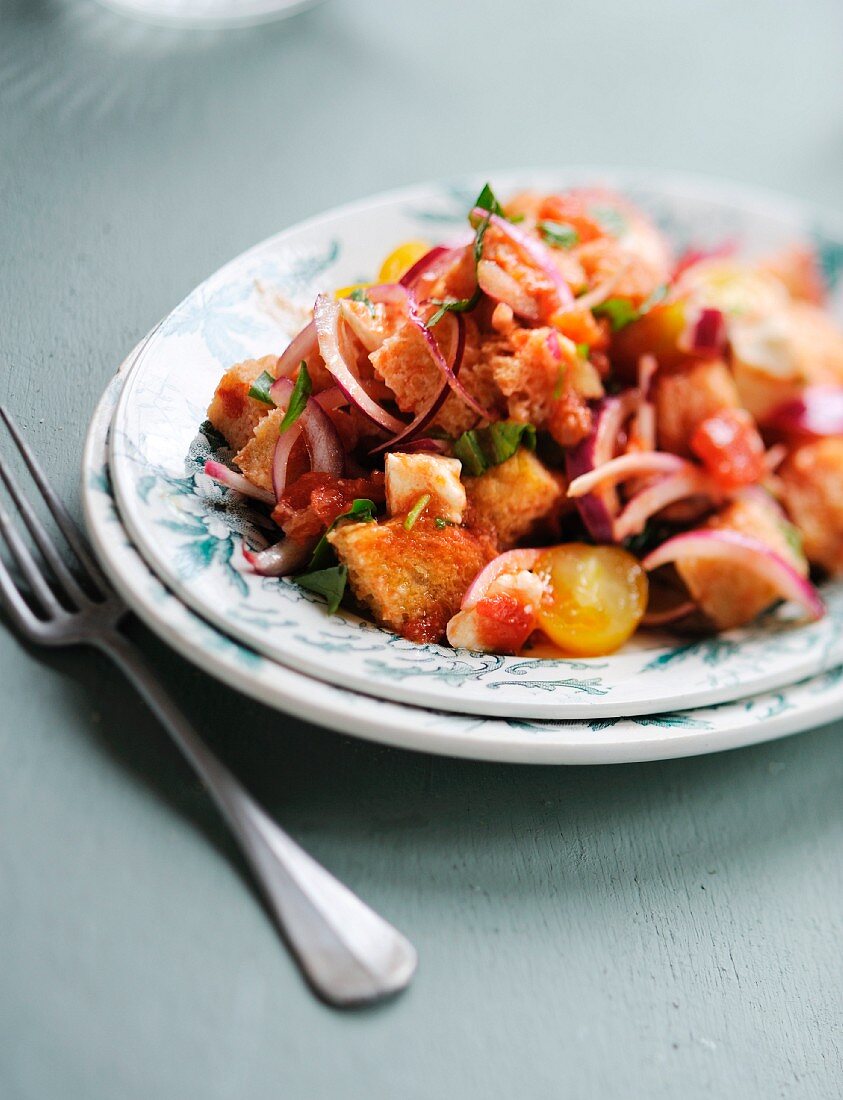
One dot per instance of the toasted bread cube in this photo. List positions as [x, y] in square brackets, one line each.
[686, 398]
[411, 476]
[255, 460]
[813, 496]
[732, 597]
[514, 497]
[411, 581]
[232, 412]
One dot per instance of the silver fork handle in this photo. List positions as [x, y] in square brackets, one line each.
[348, 953]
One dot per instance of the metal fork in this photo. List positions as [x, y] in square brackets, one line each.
[348, 953]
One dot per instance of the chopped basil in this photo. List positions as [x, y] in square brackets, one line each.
[485, 201]
[609, 218]
[558, 234]
[359, 295]
[583, 351]
[260, 388]
[794, 538]
[443, 523]
[298, 398]
[362, 510]
[481, 448]
[619, 311]
[329, 583]
[416, 511]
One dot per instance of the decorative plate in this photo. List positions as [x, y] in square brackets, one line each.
[517, 740]
[189, 529]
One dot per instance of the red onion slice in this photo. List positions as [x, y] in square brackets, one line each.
[281, 457]
[326, 316]
[511, 561]
[706, 334]
[425, 443]
[437, 399]
[598, 509]
[279, 560]
[432, 263]
[233, 480]
[501, 287]
[669, 615]
[304, 346]
[816, 412]
[537, 252]
[744, 552]
[393, 292]
[636, 464]
[688, 482]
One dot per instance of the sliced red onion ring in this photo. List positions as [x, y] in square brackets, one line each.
[816, 412]
[426, 414]
[616, 470]
[670, 614]
[425, 443]
[688, 482]
[279, 560]
[233, 480]
[320, 436]
[304, 346]
[511, 561]
[744, 552]
[433, 262]
[598, 509]
[501, 287]
[392, 292]
[538, 253]
[326, 316]
[706, 334]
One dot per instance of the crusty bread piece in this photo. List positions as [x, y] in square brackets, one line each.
[513, 497]
[687, 397]
[255, 460]
[812, 477]
[232, 412]
[733, 597]
[411, 581]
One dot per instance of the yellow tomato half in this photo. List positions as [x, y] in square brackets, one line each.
[401, 259]
[598, 596]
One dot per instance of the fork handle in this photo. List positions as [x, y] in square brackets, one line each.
[348, 953]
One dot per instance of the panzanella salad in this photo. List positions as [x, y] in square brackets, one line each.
[551, 430]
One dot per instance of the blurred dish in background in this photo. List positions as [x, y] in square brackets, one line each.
[210, 13]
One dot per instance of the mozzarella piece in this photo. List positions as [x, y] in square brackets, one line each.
[410, 476]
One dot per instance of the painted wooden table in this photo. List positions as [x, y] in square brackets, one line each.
[669, 930]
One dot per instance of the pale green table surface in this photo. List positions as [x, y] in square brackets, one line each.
[668, 930]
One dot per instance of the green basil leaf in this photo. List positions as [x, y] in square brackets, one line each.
[558, 234]
[259, 389]
[487, 200]
[468, 451]
[329, 583]
[620, 312]
[416, 511]
[609, 218]
[361, 510]
[298, 398]
[443, 523]
[481, 448]
[359, 295]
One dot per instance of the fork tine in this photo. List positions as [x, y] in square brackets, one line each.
[43, 540]
[16, 606]
[26, 563]
[60, 513]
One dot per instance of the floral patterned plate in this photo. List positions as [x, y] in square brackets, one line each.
[190, 530]
[517, 740]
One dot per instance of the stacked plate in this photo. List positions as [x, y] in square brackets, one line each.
[171, 539]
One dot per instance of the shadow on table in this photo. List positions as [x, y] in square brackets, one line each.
[353, 803]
